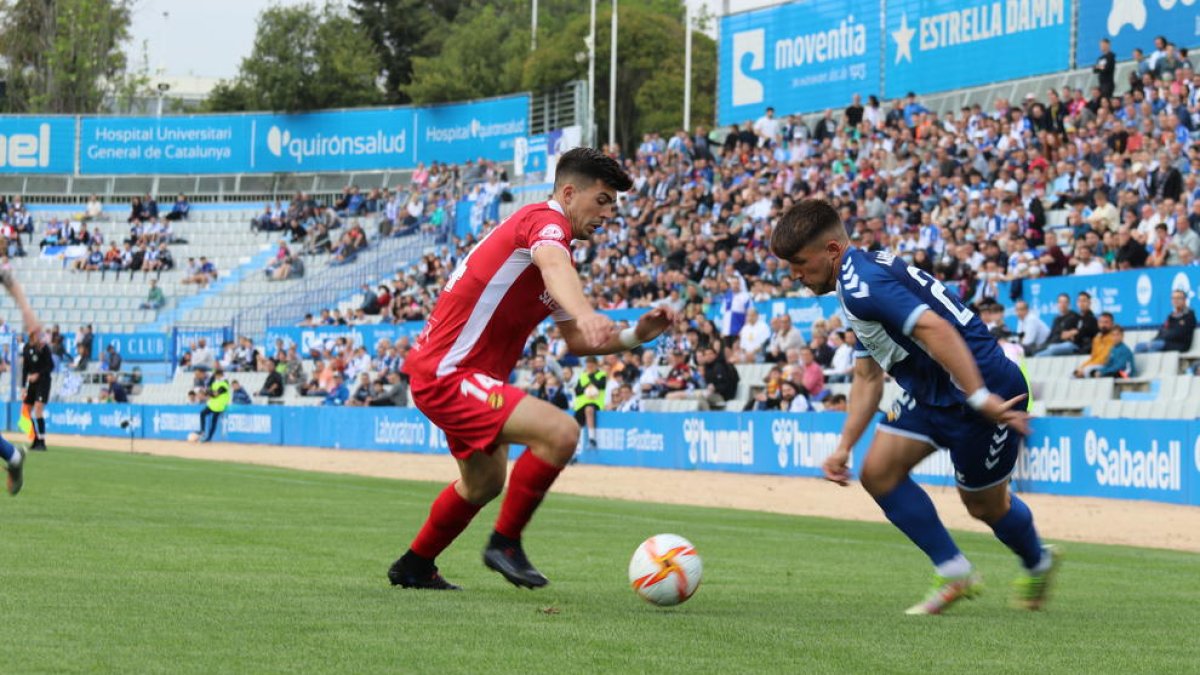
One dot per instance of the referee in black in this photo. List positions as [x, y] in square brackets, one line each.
[37, 364]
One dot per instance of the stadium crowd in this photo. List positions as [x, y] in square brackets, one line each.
[1074, 182]
[963, 196]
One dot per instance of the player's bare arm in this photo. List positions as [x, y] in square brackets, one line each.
[562, 281]
[866, 390]
[947, 347]
[649, 326]
[10, 283]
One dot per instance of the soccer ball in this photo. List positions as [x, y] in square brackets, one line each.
[665, 570]
[193, 437]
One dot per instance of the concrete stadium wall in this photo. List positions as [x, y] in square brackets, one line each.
[1080, 457]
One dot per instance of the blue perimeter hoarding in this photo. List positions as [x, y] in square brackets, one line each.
[1135, 23]
[331, 140]
[1136, 298]
[37, 144]
[939, 45]
[797, 57]
[1078, 457]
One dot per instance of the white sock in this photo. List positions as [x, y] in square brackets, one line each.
[958, 566]
[1043, 564]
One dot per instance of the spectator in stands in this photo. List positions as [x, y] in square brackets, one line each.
[94, 209]
[1031, 330]
[784, 336]
[116, 391]
[245, 357]
[180, 209]
[202, 357]
[238, 395]
[793, 398]
[83, 346]
[149, 207]
[337, 394]
[363, 392]
[1131, 251]
[841, 367]
[1177, 331]
[1102, 345]
[1106, 68]
[1085, 262]
[810, 376]
[395, 394]
[1120, 361]
[835, 403]
[273, 385]
[551, 391]
[201, 273]
[154, 298]
[1071, 332]
[821, 349]
[370, 302]
[136, 210]
[753, 336]
[112, 359]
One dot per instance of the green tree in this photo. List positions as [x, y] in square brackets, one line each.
[62, 56]
[483, 55]
[401, 30]
[303, 59]
[650, 52]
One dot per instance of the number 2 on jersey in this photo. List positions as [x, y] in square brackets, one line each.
[938, 289]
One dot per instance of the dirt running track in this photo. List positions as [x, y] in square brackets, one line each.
[1105, 521]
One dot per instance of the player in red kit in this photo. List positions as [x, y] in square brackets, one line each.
[517, 275]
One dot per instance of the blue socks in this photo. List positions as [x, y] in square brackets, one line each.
[1016, 530]
[910, 509]
[6, 449]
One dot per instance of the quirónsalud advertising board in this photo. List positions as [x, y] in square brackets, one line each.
[335, 140]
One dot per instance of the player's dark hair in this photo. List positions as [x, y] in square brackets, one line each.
[584, 166]
[1109, 315]
[803, 224]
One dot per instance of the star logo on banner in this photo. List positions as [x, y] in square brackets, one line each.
[903, 38]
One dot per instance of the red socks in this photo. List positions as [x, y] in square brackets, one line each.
[531, 478]
[448, 517]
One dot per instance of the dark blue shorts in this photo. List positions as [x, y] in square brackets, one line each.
[983, 453]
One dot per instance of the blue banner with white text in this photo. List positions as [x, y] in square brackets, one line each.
[797, 57]
[1135, 23]
[1136, 298]
[308, 338]
[187, 144]
[333, 140]
[939, 45]
[470, 131]
[37, 144]
[1079, 457]
[133, 347]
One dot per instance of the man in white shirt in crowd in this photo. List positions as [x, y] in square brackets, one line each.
[1086, 263]
[1033, 331]
[767, 128]
[648, 379]
[840, 369]
[202, 356]
[784, 338]
[754, 335]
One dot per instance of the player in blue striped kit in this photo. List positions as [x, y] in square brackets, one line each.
[961, 393]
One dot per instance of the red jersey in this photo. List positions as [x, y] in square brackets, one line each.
[493, 300]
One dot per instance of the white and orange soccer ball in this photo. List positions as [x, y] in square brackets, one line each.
[665, 570]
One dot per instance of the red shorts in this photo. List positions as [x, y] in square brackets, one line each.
[469, 406]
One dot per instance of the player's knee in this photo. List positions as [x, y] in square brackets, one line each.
[564, 439]
[877, 479]
[986, 510]
[483, 490]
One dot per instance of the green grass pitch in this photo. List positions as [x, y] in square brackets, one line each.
[128, 563]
